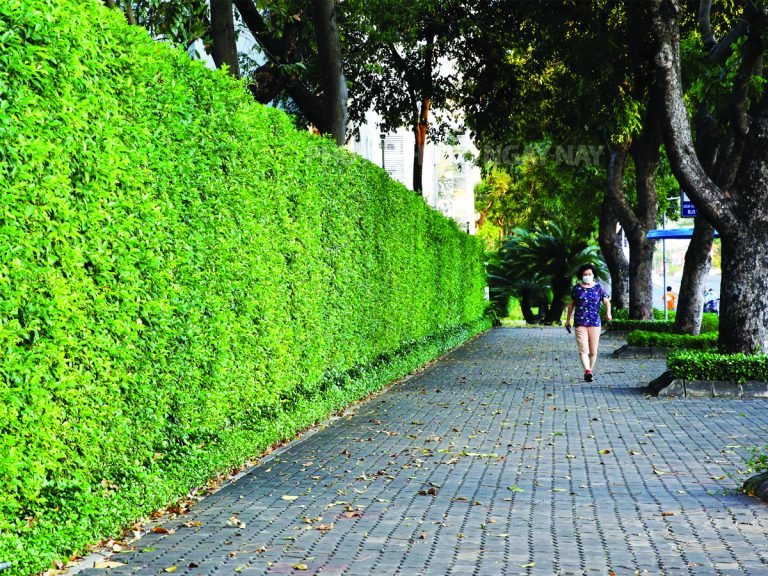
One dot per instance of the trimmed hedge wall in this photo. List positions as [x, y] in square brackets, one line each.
[700, 341]
[690, 365]
[185, 278]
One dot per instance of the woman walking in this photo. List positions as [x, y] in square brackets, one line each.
[586, 296]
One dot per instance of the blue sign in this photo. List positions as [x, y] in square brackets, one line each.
[687, 209]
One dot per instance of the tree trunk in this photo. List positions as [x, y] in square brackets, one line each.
[740, 212]
[743, 301]
[129, 13]
[560, 288]
[610, 243]
[527, 309]
[698, 262]
[331, 69]
[645, 153]
[224, 50]
[639, 220]
[640, 276]
[420, 132]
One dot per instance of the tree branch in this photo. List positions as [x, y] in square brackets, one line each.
[255, 23]
[675, 123]
[615, 191]
[266, 83]
[705, 26]
[719, 53]
[750, 60]
[309, 103]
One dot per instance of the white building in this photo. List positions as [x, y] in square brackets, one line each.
[449, 176]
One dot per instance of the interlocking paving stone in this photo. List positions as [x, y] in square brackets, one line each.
[533, 472]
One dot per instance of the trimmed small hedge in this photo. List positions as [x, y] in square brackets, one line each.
[185, 278]
[695, 365]
[710, 322]
[698, 342]
[646, 325]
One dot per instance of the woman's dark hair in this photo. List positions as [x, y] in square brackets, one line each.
[583, 268]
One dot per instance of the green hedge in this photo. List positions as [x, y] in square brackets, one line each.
[185, 278]
[646, 325]
[645, 338]
[689, 365]
[710, 322]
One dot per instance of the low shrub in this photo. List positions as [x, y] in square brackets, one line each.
[710, 322]
[646, 325]
[667, 340]
[700, 365]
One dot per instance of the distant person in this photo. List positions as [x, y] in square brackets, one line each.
[670, 298]
[586, 297]
[711, 304]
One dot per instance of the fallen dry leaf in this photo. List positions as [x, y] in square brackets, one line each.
[107, 564]
[235, 522]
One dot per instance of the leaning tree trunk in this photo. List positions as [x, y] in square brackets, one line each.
[740, 212]
[224, 49]
[610, 243]
[698, 262]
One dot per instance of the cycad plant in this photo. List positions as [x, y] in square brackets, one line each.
[537, 264]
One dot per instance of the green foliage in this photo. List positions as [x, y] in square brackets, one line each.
[185, 279]
[620, 314]
[666, 340]
[757, 463]
[393, 51]
[710, 322]
[531, 264]
[697, 365]
[645, 325]
[541, 184]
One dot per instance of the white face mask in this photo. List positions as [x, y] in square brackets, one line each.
[587, 279]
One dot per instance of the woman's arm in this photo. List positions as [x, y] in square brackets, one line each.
[607, 303]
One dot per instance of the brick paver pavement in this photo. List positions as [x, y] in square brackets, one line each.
[496, 460]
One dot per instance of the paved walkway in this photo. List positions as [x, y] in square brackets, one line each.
[497, 460]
